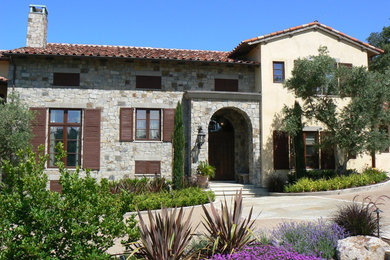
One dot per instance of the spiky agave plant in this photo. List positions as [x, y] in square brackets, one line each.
[167, 235]
[227, 230]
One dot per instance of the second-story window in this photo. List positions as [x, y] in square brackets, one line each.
[278, 71]
[148, 82]
[148, 124]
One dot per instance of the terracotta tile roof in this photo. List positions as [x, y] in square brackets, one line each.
[244, 44]
[61, 49]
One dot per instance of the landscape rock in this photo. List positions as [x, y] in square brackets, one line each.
[361, 248]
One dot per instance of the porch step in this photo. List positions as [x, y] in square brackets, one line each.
[230, 188]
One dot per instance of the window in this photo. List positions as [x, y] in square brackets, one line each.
[226, 85]
[311, 149]
[148, 82]
[148, 124]
[278, 68]
[66, 79]
[65, 127]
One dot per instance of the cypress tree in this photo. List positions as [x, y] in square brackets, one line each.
[178, 148]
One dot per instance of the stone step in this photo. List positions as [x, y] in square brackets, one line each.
[229, 189]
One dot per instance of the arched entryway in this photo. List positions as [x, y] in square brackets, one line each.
[229, 138]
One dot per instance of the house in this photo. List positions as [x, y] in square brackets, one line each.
[113, 106]
[3, 75]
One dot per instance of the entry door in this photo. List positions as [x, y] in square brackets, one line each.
[221, 154]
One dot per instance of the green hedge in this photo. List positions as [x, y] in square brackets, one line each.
[176, 198]
[369, 176]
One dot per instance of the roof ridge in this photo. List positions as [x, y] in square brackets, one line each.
[136, 47]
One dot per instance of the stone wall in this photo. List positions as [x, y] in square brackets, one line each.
[109, 84]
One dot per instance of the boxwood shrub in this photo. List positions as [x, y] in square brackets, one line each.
[369, 176]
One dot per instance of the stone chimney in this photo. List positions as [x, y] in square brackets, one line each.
[37, 26]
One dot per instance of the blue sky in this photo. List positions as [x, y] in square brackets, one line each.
[201, 24]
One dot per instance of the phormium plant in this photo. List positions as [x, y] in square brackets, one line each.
[166, 236]
[360, 218]
[227, 231]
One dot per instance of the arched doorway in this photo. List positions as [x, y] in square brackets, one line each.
[229, 143]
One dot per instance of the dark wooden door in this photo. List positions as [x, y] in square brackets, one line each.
[221, 154]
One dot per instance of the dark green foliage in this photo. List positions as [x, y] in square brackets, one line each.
[275, 183]
[227, 231]
[166, 236]
[292, 124]
[15, 129]
[360, 218]
[80, 223]
[380, 63]
[139, 186]
[178, 149]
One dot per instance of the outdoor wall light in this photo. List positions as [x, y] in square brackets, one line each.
[200, 138]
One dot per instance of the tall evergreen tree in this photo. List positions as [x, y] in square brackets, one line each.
[380, 63]
[178, 148]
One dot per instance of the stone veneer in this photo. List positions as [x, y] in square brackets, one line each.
[110, 84]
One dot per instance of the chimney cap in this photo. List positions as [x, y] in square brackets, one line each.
[39, 9]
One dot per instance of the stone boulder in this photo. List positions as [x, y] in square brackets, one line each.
[361, 248]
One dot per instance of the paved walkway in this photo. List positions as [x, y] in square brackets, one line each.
[271, 210]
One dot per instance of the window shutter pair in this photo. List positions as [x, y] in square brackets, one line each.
[91, 134]
[126, 124]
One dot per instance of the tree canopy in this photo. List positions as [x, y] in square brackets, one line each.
[380, 63]
[350, 104]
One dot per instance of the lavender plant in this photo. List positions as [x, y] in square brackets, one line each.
[264, 252]
[317, 238]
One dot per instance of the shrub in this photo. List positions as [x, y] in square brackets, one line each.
[360, 218]
[178, 148]
[36, 223]
[338, 182]
[310, 238]
[175, 198]
[275, 183]
[166, 236]
[139, 186]
[227, 231]
[265, 252]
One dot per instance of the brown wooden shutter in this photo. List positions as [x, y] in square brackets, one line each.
[56, 186]
[126, 125]
[327, 154]
[147, 167]
[91, 144]
[226, 85]
[281, 152]
[66, 79]
[168, 124]
[148, 82]
[38, 127]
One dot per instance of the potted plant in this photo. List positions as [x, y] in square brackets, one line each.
[204, 172]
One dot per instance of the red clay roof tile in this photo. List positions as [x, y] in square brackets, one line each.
[304, 26]
[62, 49]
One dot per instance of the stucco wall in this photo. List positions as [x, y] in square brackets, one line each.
[275, 96]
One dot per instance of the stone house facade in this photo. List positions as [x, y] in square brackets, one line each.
[113, 106]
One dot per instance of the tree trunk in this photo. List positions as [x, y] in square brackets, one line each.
[373, 159]
[341, 160]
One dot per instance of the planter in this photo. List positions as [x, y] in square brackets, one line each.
[203, 181]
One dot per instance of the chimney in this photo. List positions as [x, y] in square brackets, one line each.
[37, 26]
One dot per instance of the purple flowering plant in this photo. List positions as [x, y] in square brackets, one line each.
[265, 252]
[315, 238]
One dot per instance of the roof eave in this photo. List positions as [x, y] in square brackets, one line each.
[131, 58]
